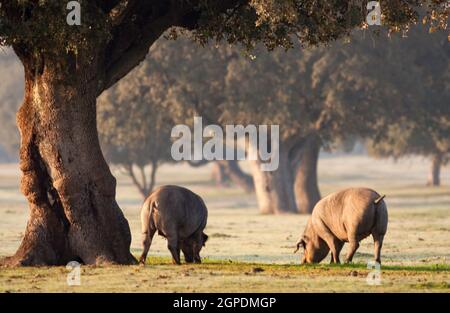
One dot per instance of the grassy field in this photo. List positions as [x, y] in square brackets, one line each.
[252, 252]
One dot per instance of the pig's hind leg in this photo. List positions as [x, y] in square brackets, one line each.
[174, 247]
[188, 250]
[378, 243]
[146, 243]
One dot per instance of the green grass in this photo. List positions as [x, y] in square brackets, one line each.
[159, 275]
[212, 263]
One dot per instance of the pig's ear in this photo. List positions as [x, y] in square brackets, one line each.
[301, 243]
[205, 238]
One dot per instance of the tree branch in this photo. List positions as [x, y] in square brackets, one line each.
[135, 180]
[108, 5]
[144, 179]
[140, 24]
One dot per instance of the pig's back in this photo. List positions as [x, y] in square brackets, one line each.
[359, 213]
[348, 211]
[180, 208]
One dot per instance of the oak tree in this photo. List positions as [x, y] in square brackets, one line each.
[422, 127]
[67, 182]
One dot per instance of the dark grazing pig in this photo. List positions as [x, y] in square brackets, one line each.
[346, 216]
[179, 215]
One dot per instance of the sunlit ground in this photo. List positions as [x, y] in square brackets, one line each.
[252, 252]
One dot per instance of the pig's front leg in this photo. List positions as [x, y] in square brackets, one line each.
[335, 255]
[331, 240]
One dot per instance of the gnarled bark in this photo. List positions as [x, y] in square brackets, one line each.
[68, 184]
[306, 186]
[434, 176]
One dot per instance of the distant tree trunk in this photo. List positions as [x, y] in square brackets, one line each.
[274, 190]
[144, 186]
[219, 175]
[434, 177]
[68, 184]
[152, 183]
[306, 186]
[234, 173]
[140, 186]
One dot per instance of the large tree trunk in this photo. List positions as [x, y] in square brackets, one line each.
[68, 184]
[306, 187]
[274, 190]
[434, 177]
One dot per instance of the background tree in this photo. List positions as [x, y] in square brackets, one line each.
[409, 139]
[340, 99]
[316, 96]
[255, 92]
[73, 212]
[197, 88]
[424, 126]
[135, 125]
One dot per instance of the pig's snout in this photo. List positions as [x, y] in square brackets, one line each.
[303, 259]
